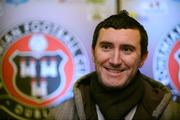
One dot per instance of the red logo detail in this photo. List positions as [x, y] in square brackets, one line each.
[174, 66]
[8, 72]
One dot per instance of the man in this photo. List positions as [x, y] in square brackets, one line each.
[117, 90]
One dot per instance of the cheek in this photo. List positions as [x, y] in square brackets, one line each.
[132, 61]
[100, 57]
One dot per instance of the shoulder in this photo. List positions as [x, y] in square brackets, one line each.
[85, 80]
[63, 110]
[154, 83]
[173, 106]
[167, 108]
[172, 111]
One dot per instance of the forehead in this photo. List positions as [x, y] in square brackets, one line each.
[119, 35]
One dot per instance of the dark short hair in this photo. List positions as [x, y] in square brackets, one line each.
[122, 21]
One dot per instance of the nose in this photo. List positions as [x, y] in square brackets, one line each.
[116, 58]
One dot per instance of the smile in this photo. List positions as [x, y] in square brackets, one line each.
[114, 70]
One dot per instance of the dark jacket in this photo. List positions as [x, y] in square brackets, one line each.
[73, 109]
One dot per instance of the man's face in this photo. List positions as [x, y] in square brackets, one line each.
[117, 56]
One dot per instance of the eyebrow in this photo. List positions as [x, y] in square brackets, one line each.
[128, 45]
[125, 45]
[105, 42]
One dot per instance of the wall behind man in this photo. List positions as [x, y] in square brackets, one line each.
[71, 16]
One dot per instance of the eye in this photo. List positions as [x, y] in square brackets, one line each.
[106, 46]
[127, 49]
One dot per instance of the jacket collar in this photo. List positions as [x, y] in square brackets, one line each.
[150, 85]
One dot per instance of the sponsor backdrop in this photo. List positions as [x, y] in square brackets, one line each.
[45, 46]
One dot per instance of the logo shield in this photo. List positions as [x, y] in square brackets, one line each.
[38, 77]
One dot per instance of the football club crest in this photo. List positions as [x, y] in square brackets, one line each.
[39, 63]
[166, 65]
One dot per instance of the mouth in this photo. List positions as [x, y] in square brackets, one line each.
[114, 70]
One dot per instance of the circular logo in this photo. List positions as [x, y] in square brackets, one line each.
[39, 63]
[166, 64]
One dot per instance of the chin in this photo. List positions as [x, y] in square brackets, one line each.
[113, 86]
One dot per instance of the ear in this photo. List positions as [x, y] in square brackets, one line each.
[143, 59]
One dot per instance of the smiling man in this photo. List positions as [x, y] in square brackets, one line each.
[117, 90]
[117, 56]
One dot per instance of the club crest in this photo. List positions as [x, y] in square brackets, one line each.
[40, 61]
[166, 64]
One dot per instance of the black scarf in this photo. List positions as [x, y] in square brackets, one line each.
[115, 104]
